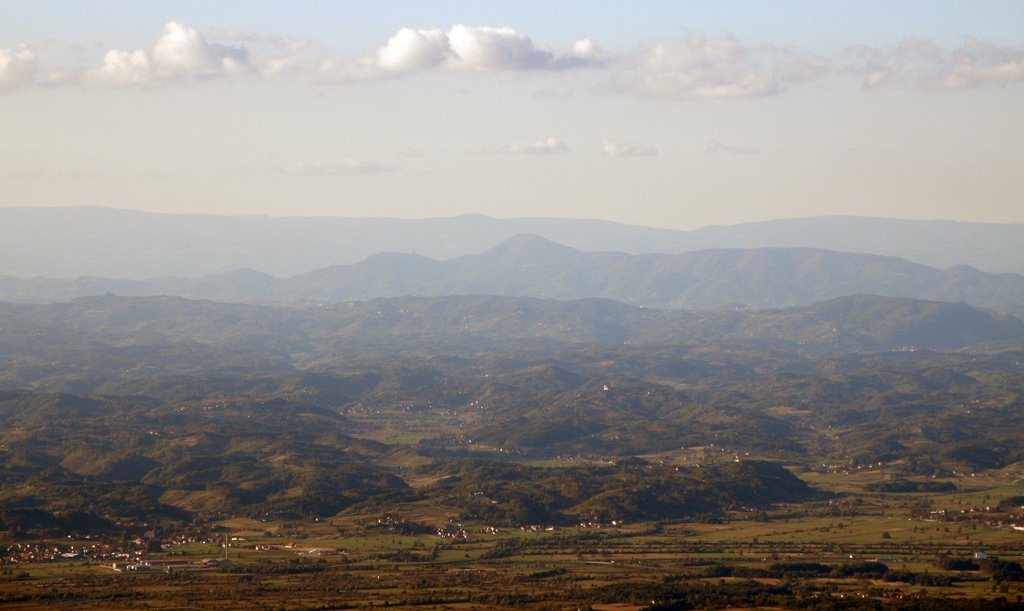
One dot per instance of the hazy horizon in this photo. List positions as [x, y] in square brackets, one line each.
[499, 217]
[671, 115]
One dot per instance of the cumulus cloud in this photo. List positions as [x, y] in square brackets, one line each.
[412, 49]
[270, 55]
[614, 149]
[183, 50]
[486, 48]
[125, 69]
[17, 68]
[584, 53]
[703, 68]
[978, 63]
[480, 48]
[897, 64]
[179, 53]
[923, 64]
[549, 146]
[335, 167]
[694, 68]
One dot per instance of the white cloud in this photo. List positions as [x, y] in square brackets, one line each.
[335, 167]
[277, 67]
[880, 67]
[183, 50]
[790, 66]
[17, 68]
[923, 64]
[978, 63]
[614, 149]
[479, 48]
[271, 55]
[125, 69]
[486, 48]
[703, 68]
[411, 50]
[340, 71]
[549, 146]
[179, 53]
[585, 52]
[694, 68]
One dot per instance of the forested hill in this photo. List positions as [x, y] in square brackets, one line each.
[137, 337]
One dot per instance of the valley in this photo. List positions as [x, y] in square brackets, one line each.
[499, 451]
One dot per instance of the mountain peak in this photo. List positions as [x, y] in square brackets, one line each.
[530, 248]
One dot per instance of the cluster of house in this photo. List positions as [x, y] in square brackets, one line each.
[168, 564]
[190, 538]
[19, 553]
[598, 524]
[96, 548]
[453, 531]
[358, 409]
[533, 528]
[987, 516]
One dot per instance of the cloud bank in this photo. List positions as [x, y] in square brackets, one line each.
[706, 68]
[923, 64]
[694, 68]
[182, 53]
[17, 68]
[477, 48]
[179, 53]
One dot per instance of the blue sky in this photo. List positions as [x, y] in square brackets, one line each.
[358, 24]
[674, 114]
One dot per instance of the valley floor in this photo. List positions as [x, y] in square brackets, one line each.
[855, 551]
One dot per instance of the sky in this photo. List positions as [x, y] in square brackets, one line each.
[668, 114]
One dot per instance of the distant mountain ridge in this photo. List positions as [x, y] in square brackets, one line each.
[531, 266]
[71, 242]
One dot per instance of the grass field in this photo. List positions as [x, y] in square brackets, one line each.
[351, 561]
